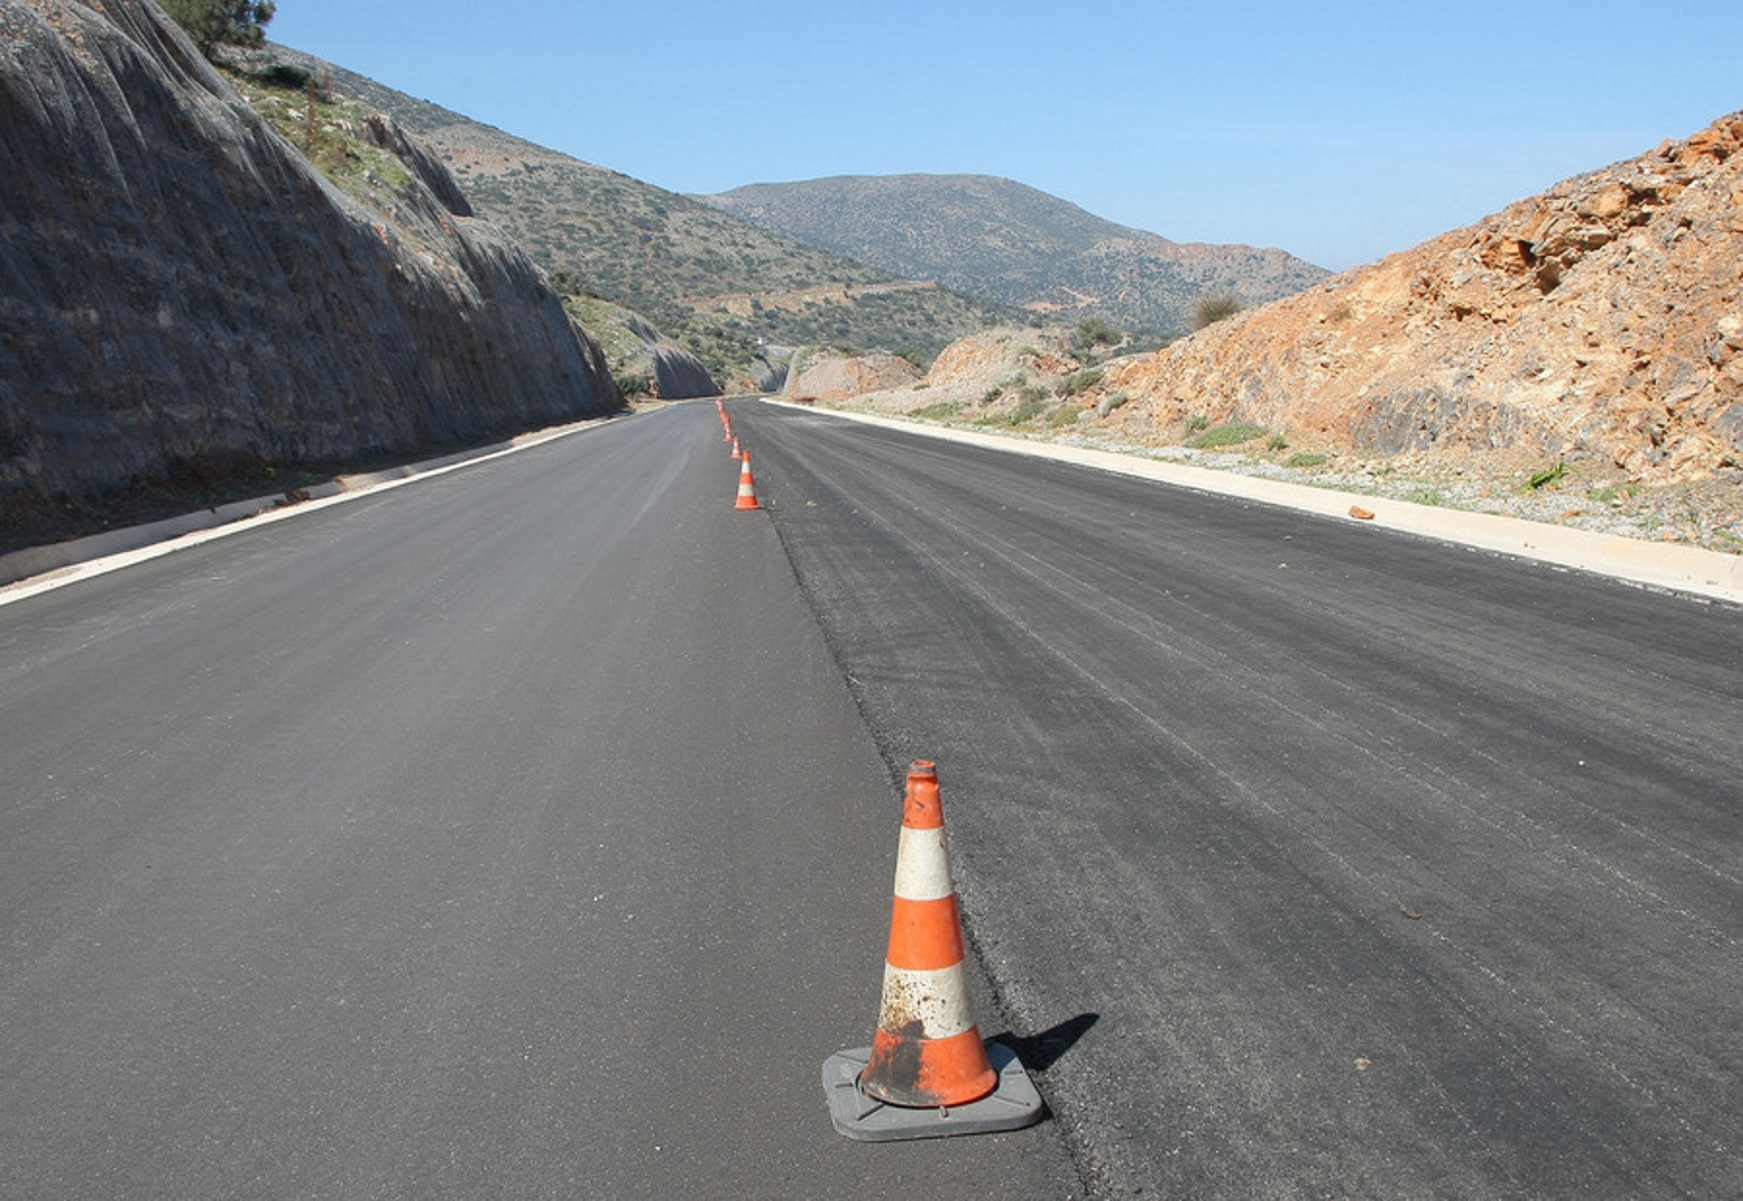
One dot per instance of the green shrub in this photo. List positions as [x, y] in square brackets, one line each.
[1196, 423]
[285, 76]
[1218, 306]
[1302, 459]
[1065, 415]
[1095, 331]
[1232, 434]
[211, 22]
[1078, 381]
[1550, 475]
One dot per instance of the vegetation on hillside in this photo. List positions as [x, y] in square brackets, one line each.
[1218, 306]
[601, 234]
[211, 23]
[321, 123]
[1010, 244]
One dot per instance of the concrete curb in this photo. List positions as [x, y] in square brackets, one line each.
[40, 568]
[1686, 569]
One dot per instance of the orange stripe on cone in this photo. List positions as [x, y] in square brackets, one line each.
[927, 1051]
[747, 487]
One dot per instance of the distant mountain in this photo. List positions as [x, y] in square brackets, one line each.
[717, 284]
[1008, 243]
[1585, 342]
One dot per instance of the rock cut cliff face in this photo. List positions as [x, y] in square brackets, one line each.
[1601, 321]
[179, 286]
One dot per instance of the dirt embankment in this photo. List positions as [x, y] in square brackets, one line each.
[1577, 357]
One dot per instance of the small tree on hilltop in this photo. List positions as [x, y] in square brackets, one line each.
[229, 22]
[1214, 308]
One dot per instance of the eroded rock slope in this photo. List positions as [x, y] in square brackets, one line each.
[1601, 322]
[181, 289]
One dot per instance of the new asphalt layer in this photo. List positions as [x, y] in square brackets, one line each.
[510, 835]
[529, 831]
[1347, 862]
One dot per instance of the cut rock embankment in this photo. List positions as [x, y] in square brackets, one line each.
[186, 293]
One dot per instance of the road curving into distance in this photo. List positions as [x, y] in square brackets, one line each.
[507, 834]
[1312, 859]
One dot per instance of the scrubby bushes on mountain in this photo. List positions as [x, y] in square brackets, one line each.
[1095, 331]
[1214, 308]
[1078, 381]
[211, 23]
[1232, 434]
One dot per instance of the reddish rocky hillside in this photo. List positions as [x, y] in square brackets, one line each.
[1601, 322]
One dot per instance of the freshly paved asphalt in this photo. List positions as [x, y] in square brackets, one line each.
[515, 834]
[1312, 860]
[511, 834]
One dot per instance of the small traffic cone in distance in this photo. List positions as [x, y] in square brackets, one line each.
[927, 1073]
[747, 488]
[736, 453]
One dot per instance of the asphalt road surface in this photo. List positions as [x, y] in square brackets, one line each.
[1314, 860]
[510, 834]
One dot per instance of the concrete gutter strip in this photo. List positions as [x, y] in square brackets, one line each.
[40, 568]
[1678, 568]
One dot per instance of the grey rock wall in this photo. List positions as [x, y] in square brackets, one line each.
[179, 286]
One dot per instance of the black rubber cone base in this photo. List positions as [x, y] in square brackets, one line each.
[1011, 1105]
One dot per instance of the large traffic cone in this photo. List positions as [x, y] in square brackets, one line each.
[747, 486]
[927, 1072]
[927, 1051]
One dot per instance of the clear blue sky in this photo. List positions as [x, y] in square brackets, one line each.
[1339, 132]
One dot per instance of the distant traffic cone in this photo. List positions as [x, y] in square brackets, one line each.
[747, 486]
[927, 1073]
[927, 1050]
[736, 452]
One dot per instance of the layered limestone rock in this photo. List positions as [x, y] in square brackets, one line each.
[1600, 321]
[182, 287]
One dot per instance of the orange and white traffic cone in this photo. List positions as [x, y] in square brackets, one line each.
[736, 452]
[927, 1072]
[747, 486]
[927, 1050]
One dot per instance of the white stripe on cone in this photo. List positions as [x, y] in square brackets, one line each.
[938, 998]
[922, 866]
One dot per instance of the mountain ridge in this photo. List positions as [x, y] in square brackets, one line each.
[997, 238]
[599, 232]
[1577, 356]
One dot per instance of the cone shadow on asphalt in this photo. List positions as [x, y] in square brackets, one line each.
[1038, 1052]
